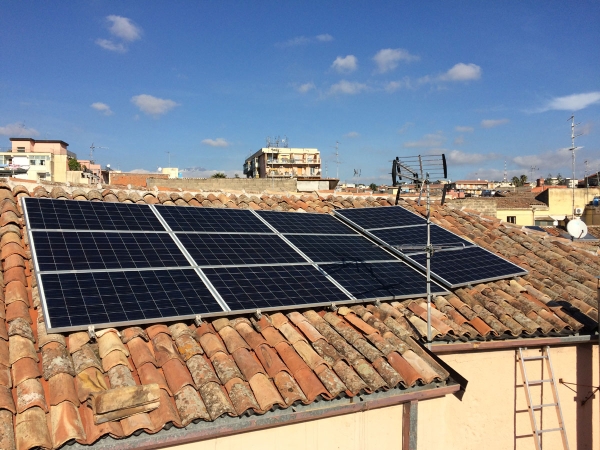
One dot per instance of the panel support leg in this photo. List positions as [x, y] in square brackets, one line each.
[409, 425]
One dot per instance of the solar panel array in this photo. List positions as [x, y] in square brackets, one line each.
[120, 264]
[455, 262]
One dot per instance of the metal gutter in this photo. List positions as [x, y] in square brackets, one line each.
[228, 426]
[441, 348]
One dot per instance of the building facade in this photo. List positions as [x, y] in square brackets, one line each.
[46, 159]
[276, 162]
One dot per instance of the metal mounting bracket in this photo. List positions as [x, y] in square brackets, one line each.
[92, 332]
[198, 320]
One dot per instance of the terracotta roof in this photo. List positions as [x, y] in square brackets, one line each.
[60, 388]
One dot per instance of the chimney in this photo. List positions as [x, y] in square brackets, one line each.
[540, 182]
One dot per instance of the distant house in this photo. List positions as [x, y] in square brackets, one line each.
[473, 187]
[284, 162]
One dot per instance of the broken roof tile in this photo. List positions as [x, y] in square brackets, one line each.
[89, 381]
[122, 402]
[77, 340]
[179, 329]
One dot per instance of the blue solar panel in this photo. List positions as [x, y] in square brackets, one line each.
[391, 280]
[381, 217]
[416, 236]
[78, 215]
[238, 249]
[58, 250]
[470, 265]
[220, 220]
[251, 288]
[312, 223]
[328, 248]
[82, 299]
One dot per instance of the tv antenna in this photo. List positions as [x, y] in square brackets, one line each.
[337, 160]
[92, 148]
[419, 170]
[531, 169]
[572, 150]
[169, 153]
[505, 173]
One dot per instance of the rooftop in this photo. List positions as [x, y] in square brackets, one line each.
[188, 381]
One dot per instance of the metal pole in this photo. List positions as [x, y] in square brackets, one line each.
[429, 250]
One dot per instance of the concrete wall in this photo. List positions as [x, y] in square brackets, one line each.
[492, 414]
[560, 201]
[523, 216]
[134, 179]
[255, 185]
[485, 206]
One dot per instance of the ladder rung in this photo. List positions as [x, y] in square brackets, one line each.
[544, 406]
[536, 382]
[534, 358]
[549, 430]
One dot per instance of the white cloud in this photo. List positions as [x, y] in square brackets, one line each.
[141, 171]
[352, 135]
[17, 130]
[388, 58]
[346, 64]
[462, 72]
[112, 46]
[103, 108]
[429, 140]
[462, 158]
[306, 87]
[404, 128]
[153, 106]
[124, 28]
[347, 87]
[393, 86]
[218, 142]
[556, 161]
[324, 38]
[464, 129]
[459, 140]
[573, 102]
[491, 123]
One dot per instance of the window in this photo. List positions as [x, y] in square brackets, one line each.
[32, 162]
[511, 219]
[42, 162]
[21, 149]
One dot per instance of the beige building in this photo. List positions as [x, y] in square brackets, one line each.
[473, 187]
[284, 162]
[47, 159]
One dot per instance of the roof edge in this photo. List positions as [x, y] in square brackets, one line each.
[443, 348]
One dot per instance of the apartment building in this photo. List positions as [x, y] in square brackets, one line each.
[276, 162]
[33, 159]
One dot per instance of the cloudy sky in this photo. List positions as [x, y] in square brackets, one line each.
[482, 82]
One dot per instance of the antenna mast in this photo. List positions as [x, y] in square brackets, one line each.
[337, 160]
[92, 148]
[572, 149]
[505, 173]
[531, 169]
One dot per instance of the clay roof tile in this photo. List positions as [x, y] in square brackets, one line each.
[187, 346]
[31, 430]
[113, 359]
[247, 363]
[88, 381]
[177, 375]
[232, 339]
[179, 329]
[166, 412]
[225, 367]
[141, 352]
[190, 406]
[272, 336]
[132, 332]
[265, 392]
[78, 340]
[154, 330]
[19, 347]
[270, 360]
[354, 384]
[201, 371]
[56, 359]
[30, 393]
[20, 327]
[120, 376]
[24, 369]
[216, 401]
[164, 349]
[241, 396]
[7, 436]
[250, 336]
[61, 388]
[211, 344]
[6, 400]
[109, 342]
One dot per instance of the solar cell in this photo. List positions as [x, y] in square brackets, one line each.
[313, 223]
[417, 236]
[212, 220]
[238, 249]
[58, 250]
[382, 217]
[52, 214]
[82, 299]
[251, 288]
[381, 280]
[328, 248]
[470, 265]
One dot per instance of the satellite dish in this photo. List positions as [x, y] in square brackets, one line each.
[160, 169]
[577, 228]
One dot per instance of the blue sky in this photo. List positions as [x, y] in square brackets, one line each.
[483, 82]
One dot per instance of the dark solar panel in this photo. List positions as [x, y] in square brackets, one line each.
[312, 223]
[212, 219]
[382, 217]
[81, 299]
[76, 215]
[238, 249]
[329, 248]
[251, 288]
[470, 265]
[58, 250]
[417, 237]
[381, 280]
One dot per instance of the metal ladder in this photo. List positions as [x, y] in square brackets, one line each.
[527, 383]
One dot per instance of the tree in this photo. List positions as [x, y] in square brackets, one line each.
[373, 187]
[237, 175]
[219, 175]
[516, 181]
[548, 179]
[561, 180]
[74, 164]
[523, 180]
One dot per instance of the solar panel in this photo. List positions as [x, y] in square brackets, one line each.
[76, 215]
[417, 236]
[393, 280]
[238, 249]
[328, 248]
[470, 265]
[313, 223]
[251, 288]
[381, 217]
[82, 299]
[212, 220]
[58, 250]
